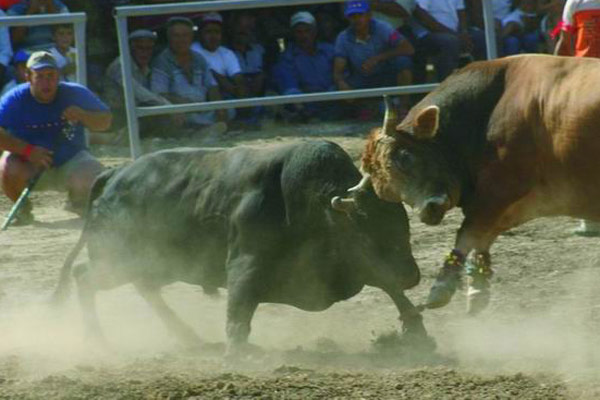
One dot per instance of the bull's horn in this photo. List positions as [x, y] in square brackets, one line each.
[343, 204]
[391, 116]
[362, 185]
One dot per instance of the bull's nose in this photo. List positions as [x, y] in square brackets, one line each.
[434, 210]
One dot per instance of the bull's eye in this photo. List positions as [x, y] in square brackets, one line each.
[404, 160]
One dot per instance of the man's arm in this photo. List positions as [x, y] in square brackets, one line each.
[429, 22]
[392, 9]
[39, 156]
[93, 120]
[564, 46]
[339, 66]
[224, 83]
[215, 95]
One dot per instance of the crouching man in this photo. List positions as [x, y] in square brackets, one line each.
[42, 129]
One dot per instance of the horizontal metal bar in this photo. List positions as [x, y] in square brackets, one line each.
[220, 5]
[42, 19]
[288, 99]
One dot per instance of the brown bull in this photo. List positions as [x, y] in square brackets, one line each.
[507, 141]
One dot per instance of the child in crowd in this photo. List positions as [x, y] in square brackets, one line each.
[19, 64]
[64, 52]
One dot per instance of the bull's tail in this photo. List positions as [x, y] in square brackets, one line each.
[61, 293]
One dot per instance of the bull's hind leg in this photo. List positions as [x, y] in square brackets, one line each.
[86, 290]
[242, 302]
[184, 333]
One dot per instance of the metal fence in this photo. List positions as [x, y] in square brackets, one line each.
[133, 112]
[77, 19]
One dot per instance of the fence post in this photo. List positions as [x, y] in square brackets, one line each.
[130, 108]
[490, 29]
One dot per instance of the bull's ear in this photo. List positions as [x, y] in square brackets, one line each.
[426, 123]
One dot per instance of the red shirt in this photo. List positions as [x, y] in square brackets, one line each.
[582, 19]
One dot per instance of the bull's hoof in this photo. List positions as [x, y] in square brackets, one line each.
[419, 343]
[478, 294]
[238, 352]
[443, 288]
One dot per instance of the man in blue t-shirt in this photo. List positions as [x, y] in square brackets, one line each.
[306, 66]
[41, 129]
[370, 53]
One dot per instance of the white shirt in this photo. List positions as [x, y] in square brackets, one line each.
[444, 11]
[501, 8]
[223, 61]
[395, 22]
[63, 61]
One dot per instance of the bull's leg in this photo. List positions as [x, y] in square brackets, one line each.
[242, 302]
[479, 271]
[482, 225]
[412, 322]
[184, 333]
[86, 290]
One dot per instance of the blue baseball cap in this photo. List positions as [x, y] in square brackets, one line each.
[356, 7]
[20, 56]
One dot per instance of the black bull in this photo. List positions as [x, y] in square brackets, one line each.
[257, 221]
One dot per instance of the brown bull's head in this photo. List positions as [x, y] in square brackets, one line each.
[405, 163]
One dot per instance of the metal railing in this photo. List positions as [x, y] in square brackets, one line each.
[77, 19]
[133, 112]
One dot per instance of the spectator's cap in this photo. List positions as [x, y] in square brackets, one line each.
[179, 20]
[142, 34]
[356, 7]
[212, 17]
[41, 59]
[20, 56]
[302, 17]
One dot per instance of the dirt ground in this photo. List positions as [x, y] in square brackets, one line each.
[539, 339]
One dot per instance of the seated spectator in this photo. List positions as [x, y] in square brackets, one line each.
[5, 50]
[306, 66]
[222, 62]
[442, 32]
[64, 52]
[519, 29]
[34, 37]
[19, 64]
[182, 75]
[141, 43]
[370, 53]
[248, 52]
[250, 55]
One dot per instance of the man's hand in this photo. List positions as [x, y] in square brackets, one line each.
[178, 119]
[34, 7]
[466, 42]
[40, 157]
[74, 114]
[369, 65]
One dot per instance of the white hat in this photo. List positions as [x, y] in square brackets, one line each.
[142, 33]
[212, 17]
[302, 17]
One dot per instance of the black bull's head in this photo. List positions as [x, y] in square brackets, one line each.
[404, 163]
[383, 242]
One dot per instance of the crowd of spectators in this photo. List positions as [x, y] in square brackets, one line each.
[277, 50]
